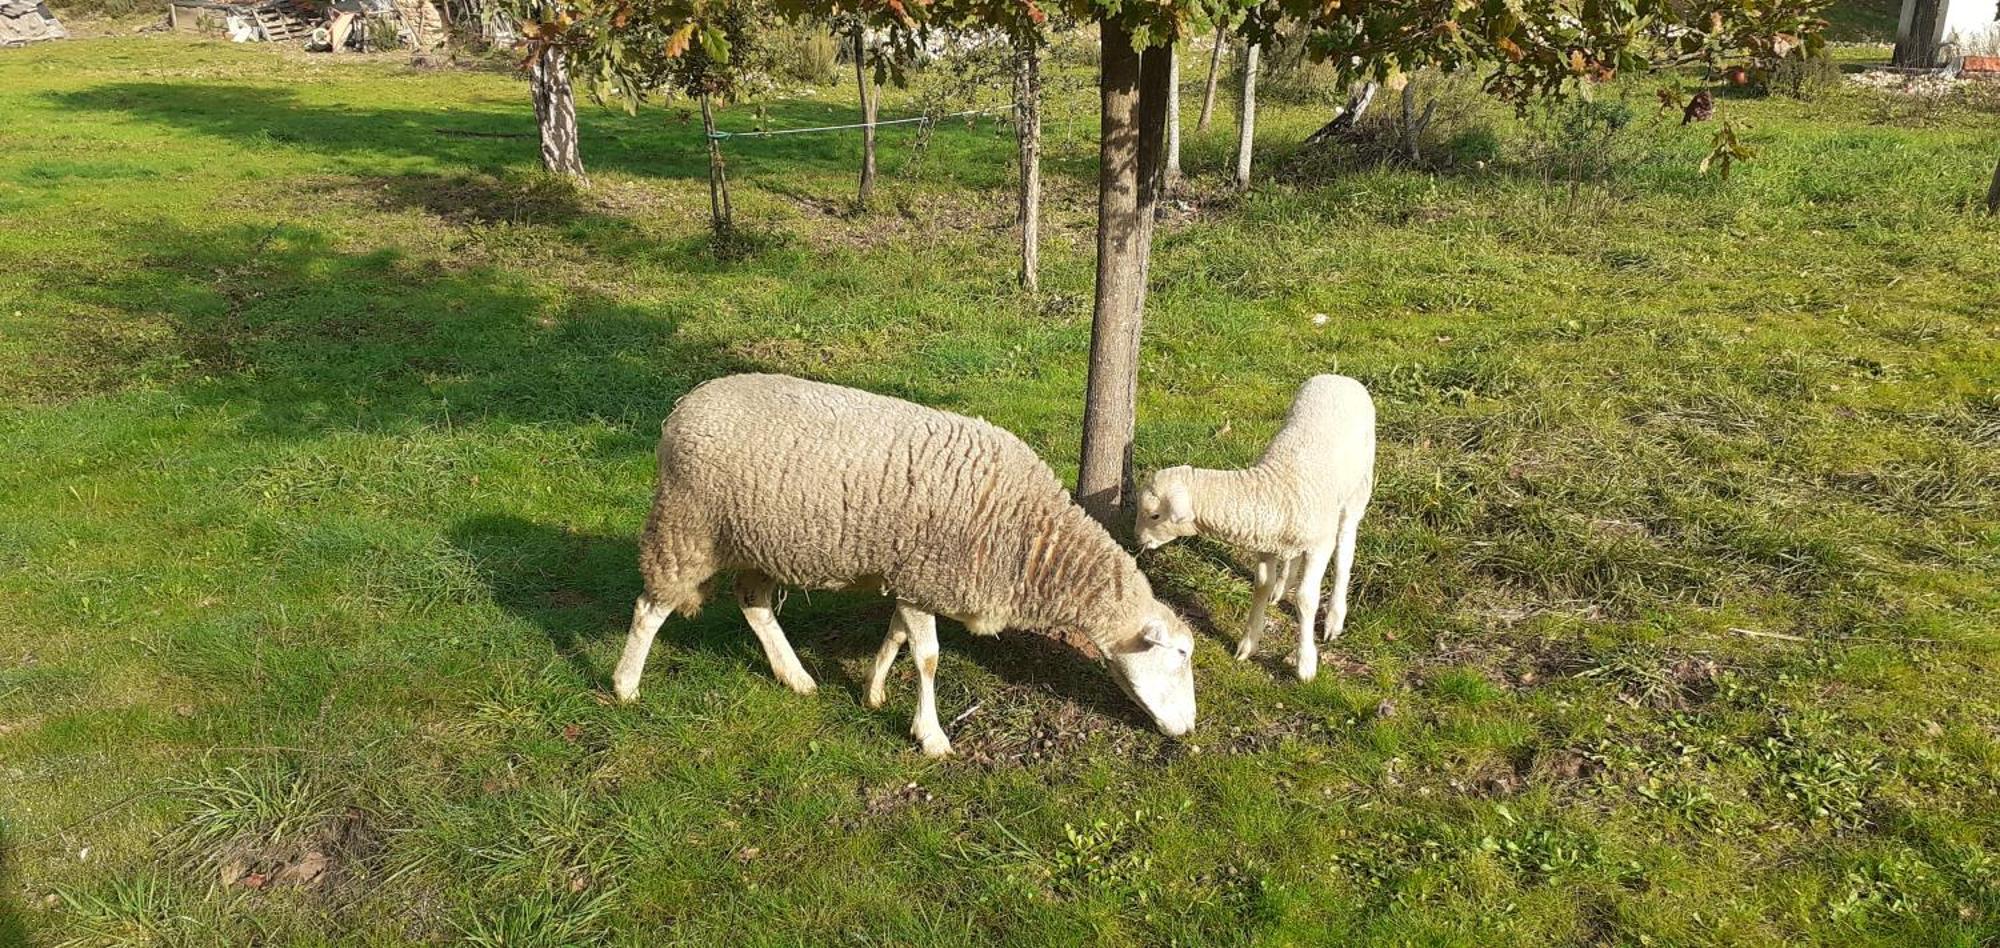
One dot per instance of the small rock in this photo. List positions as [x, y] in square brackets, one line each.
[1319, 319]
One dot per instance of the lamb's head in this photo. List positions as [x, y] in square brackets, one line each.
[1166, 509]
[1155, 665]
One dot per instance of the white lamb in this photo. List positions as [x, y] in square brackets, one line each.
[1299, 507]
[785, 481]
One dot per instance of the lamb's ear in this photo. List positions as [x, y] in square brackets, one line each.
[1155, 633]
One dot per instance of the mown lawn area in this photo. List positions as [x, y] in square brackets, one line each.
[325, 436]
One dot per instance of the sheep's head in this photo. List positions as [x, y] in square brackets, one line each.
[1156, 667]
[1166, 509]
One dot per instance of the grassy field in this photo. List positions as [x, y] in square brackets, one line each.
[327, 435]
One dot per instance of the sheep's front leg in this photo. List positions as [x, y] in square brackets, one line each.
[1309, 611]
[885, 658]
[756, 593]
[1270, 582]
[646, 620]
[922, 629]
[1343, 567]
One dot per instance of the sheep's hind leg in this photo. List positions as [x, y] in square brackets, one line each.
[885, 658]
[922, 628]
[1315, 572]
[647, 616]
[1270, 582]
[1343, 567]
[757, 594]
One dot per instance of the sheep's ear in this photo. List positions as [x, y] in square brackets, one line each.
[1180, 508]
[1155, 633]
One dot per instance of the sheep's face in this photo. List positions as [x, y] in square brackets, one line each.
[1156, 667]
[1166, 510]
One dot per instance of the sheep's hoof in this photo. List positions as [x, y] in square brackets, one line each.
[626, 693]
[875, 699]
[802, 685]
[1308, 670]
[1245, 649]
[935, 745]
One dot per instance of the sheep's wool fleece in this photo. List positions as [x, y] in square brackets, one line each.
[821, 486]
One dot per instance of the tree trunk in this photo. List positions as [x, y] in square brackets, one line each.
[1133, 93]
[1246, 127]
[555, 114]
[1028, 135]
[1173, 171]
[1413, 126]
[1993, 192]
[721, 216]
[867, 189]
[1917, 47]
[1214, 75]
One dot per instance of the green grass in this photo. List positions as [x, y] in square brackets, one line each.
[327, 436]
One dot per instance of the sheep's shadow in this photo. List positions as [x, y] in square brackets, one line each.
[577, 587]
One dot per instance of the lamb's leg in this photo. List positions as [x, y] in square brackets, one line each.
[1294, 568]
[1343, 566]
[1309, 611]
[756, 593]
[1270, 582]
[885, 658]
[646, 619]
[922, 628]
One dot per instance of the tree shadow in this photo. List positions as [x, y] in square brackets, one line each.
[316, 336]
[13, 921]
[578, 588]
[657, 142]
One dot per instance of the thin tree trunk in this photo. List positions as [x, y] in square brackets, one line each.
[555, 113]
[720, 215]
[1214, 75]
[1246, 128]
[1413, 126]
[1132, 91]
[1173, 171]
[1028, 135]
[867, 189]
[1993, 192]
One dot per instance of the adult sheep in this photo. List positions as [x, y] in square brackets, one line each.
[1299, 506]
[788, 482]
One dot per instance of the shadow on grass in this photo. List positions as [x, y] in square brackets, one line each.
[659, 143]
[316, 336]
[13, 921]
[578, 588]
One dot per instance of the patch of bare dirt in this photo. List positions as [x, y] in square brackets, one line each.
[316, 861]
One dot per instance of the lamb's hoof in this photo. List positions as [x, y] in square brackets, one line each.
[1308, 670]
[1245, 649]
[935, 745]
[626, 693]
[875, 699]
[1329, 636]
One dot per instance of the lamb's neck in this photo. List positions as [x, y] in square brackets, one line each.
[1237, 507]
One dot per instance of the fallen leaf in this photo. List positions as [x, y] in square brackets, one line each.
[306, 871]
[254, 880]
